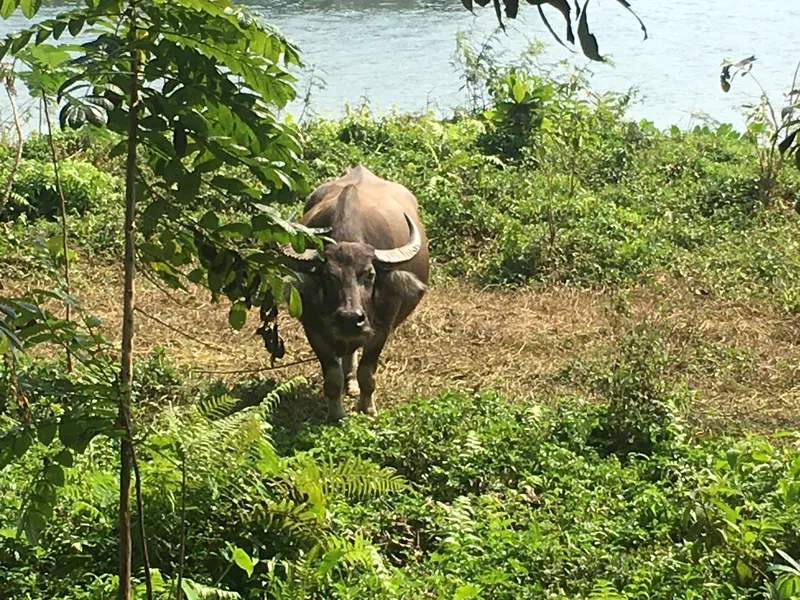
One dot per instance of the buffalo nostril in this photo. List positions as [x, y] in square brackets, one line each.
[351, 318]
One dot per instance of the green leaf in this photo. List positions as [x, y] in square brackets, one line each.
[54, 474]
[7, 8]
[30, 7]
[329, 561]
[261, 223]
[196, 275]
[179, 139]
[64, 458]
[243, 561]
[70, 432]
[152, 214]
[214, 281]
[58, 29]
[188, 187]
[76, 25]
[466, 591]
[236, 230]
[5, 344]
[237, 316]
[189, 591]
[295, 303]
[587, 39]
[743, 571]
[229, 184]
[518, 91]
[33, 524]
[21, 40]
[20, 443]
[47, 432]
[787, 142]
[210, 220]
[792, 562]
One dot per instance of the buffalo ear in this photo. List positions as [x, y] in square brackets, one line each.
[403, 284]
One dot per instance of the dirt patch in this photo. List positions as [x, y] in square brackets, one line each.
[741, 359]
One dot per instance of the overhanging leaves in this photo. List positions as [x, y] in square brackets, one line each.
[588, 41]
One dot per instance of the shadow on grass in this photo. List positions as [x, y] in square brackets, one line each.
[293, 418]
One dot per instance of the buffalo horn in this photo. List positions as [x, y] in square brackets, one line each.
[405, 252]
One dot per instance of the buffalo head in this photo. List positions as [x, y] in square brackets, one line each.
[342, 285]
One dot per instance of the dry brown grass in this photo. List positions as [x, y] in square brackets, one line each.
[742, 359]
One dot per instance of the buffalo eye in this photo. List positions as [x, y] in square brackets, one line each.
[330, 283]
[367, 277]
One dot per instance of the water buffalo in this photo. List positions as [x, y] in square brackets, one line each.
[365, 284]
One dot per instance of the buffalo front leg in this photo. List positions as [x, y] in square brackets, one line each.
[351, 385]
[333, 379]
[366, 375]
[333, 386]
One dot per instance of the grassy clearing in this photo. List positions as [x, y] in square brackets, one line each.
[739, 358]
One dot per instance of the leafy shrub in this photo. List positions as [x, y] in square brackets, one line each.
[642, 403]
[86, 189]
[625, 202]
[515, 501]
[89, 144]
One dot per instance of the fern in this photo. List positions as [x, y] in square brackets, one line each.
[214, 439]
[605, 590]
[357, 552]
[309, 574]
[361, 479]
[273, 398]
[217, 407]
[193, 589]
[230, 451]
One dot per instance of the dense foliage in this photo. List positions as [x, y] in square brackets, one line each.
[458, 496]
[191, 89]
[551, 183]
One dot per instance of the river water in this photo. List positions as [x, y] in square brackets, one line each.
[399, 53]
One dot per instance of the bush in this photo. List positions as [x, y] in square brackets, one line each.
[89, 143]
[86, 189]
[642, 403]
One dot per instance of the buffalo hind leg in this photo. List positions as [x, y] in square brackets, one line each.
[351, 385]
[366, 375]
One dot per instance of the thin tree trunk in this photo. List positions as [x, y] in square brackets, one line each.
[64, 245]
[126, 449]
[12, 93]
[179, 587]
[140, 519]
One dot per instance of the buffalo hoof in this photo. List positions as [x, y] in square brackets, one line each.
[368, 409]
[335, 412]
[352, 388]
